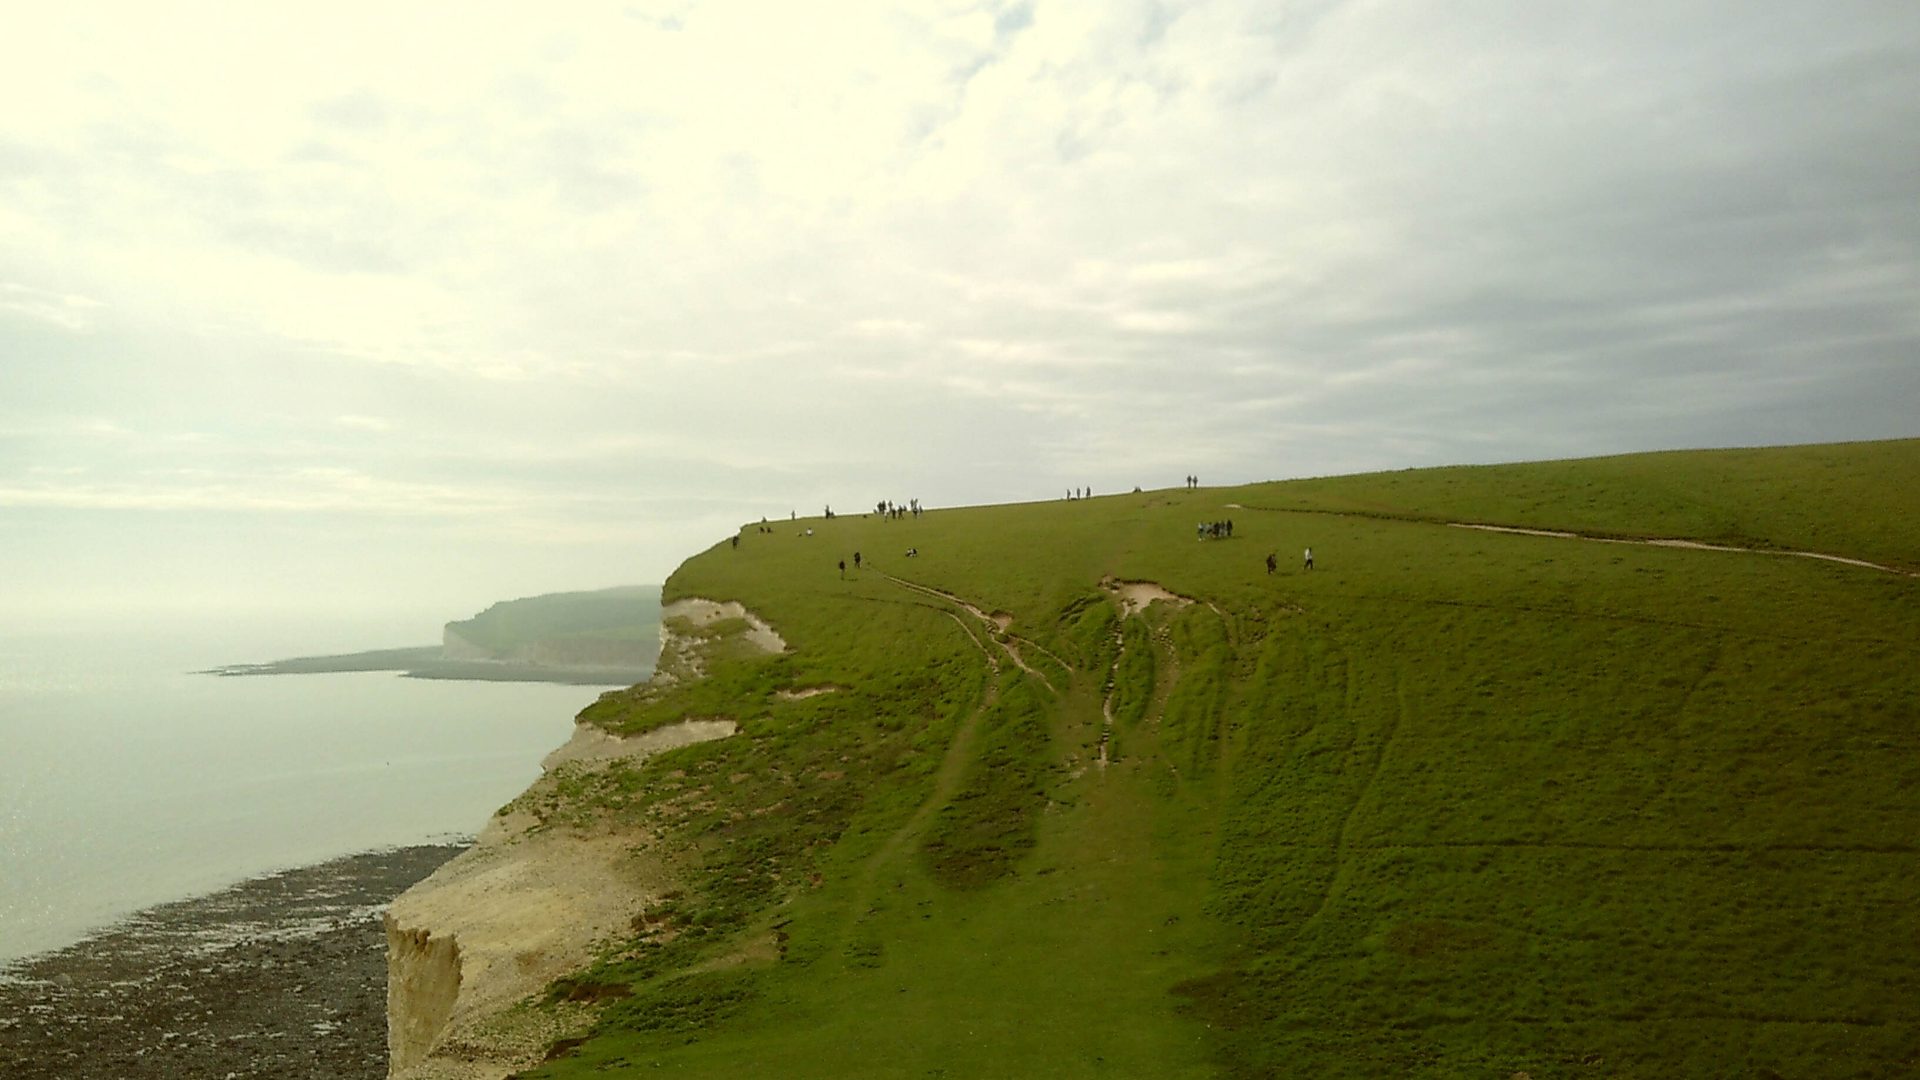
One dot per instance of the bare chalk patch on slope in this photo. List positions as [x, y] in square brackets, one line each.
[802, 693]
[1136, 596]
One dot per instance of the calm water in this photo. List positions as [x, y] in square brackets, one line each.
[125, 781]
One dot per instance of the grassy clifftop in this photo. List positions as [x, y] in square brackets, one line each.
[1858, 499]
[627, 614]
[1452, 803]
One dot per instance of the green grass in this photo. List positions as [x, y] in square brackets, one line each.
[991, 820]
[1855, 499]
[1453, 804]
[625, 613]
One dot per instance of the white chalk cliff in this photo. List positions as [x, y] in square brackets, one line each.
[530, 901]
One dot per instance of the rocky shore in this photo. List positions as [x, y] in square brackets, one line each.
[284, 976]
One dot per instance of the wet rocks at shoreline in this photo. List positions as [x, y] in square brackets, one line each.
[282, 976]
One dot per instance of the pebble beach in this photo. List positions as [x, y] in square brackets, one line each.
[281, 976]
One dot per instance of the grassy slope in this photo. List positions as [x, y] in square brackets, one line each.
[623, 613]
[1455, 803]
[1797, 497]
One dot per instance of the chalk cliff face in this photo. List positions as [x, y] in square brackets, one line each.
[528, 903]
[570, 651]
[589, 652]
[455, 647]
[423, 975]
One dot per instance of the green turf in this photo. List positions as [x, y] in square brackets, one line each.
[1856, 499]
[627, 613]
[1454, 803]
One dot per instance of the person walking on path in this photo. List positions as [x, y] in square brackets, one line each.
[1271, 563]
[843, 569]
[1309, 558]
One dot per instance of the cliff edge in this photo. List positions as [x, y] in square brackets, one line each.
[529, 902]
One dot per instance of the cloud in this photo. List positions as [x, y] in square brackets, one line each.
[886, 328]
[727, 254]
[64, 310]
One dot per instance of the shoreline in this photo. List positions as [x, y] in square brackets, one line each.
[427, 663]
[283, 975]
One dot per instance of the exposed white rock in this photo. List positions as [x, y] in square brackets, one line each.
[1136, 595]
[529, 903]
[702, 613]
[597, 746]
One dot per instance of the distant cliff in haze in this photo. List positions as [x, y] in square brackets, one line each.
[618, 627]
[605, 637]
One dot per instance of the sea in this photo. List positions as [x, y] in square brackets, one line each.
[128, 780]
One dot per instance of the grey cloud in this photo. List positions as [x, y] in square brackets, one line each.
[586, 174]
[360, 111]
[1010, 20]
[671, 23]
[1248, 240]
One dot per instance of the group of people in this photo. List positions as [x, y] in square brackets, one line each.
[765, 529]
[888, 509]
[912, 552]
[1273, 564]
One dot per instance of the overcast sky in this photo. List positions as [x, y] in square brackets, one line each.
[352, 306]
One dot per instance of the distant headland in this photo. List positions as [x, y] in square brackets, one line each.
[600, 638]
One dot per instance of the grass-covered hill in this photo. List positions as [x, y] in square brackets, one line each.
[1453, 803]
[601, 626]
[607, 637]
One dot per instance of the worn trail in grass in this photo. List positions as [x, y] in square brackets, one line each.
[1455, 802]
[896, 975]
